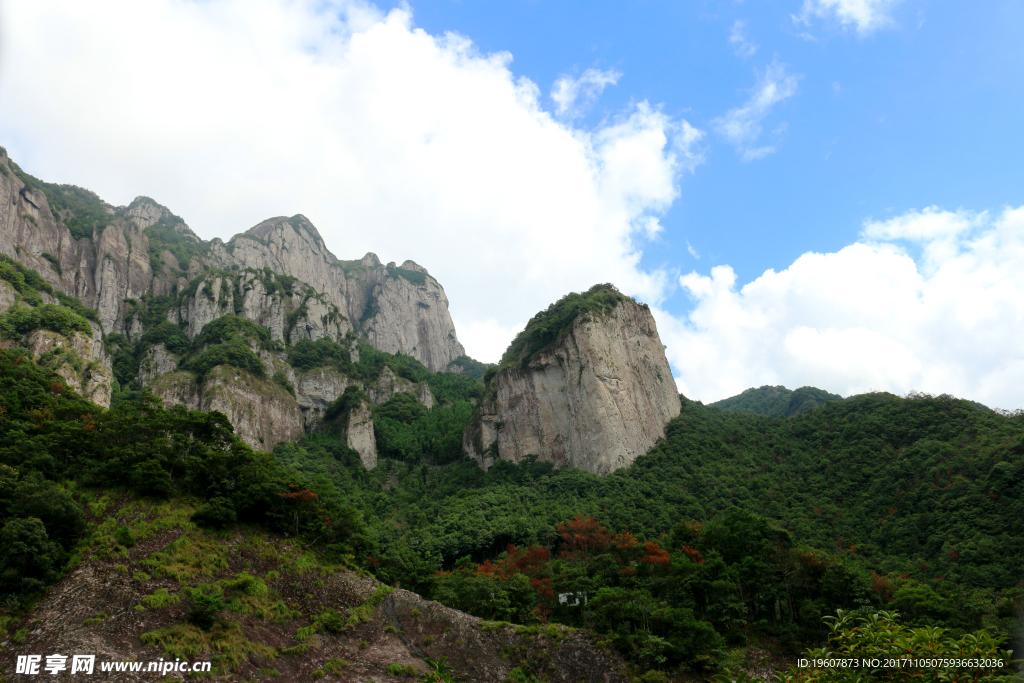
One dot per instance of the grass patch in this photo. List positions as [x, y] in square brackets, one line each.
[365, 611]
[494, 625]
[161, 598]
[225, 645]
[92, 621]
[187, 559]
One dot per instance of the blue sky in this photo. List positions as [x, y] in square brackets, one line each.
[807, 192]
[923, 111]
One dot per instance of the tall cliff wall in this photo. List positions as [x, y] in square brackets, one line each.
[596, 397]
[122, 257]
[139, 265]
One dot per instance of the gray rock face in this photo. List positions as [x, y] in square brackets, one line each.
[278, 274]
[315, 390]
[262, 413]
[80, 359]
[596, 400]
[399, 310]
[359, 435]
[389, 384]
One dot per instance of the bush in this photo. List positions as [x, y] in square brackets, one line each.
[150, 478]
[124, 537]
[234, 353]
[203, 609]
[20, 320]
[216, 514]
[331, 621]
[30, 559]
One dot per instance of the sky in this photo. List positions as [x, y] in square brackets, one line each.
[806, 192]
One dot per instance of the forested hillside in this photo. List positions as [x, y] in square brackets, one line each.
[738, 531]
[777, 401]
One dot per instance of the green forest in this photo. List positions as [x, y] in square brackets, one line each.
[778, 519]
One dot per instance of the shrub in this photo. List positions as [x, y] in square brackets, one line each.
[331, 621]
[30, 559]
[218, 513]
[20, 320]
[124, 537]
[203, 609]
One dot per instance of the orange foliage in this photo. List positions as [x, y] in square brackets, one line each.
[880, 585]
[303, 496]
[693, 554]
[655, 554]
[583, 536]
[529, 560]
[625, 541]
[542, 613]
[543, 587]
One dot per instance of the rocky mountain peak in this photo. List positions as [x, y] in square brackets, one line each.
[412, 265]
[370, 260]
[586, 384]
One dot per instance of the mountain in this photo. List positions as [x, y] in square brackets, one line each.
[586, 384]
[154, 289]
[232, 451]
[777, 401]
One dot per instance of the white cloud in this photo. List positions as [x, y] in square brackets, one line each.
[738, 39]
[573, 97]
[863, 15]
[868, 317]
[390, 139]
[741, 126]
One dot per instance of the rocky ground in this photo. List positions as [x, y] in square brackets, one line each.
[131, 603]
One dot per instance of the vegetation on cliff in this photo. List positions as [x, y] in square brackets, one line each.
[77, 208]
[545, 328]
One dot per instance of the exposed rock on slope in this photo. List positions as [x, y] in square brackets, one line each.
[262, 413]
[80, 359]
[359, 435]
[586, 384]
[132, 606]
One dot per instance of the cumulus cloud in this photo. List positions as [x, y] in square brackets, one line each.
[573, 97]
[388, 138]
[741, 127]
[868, 317]
[865, 16]
[738, 39]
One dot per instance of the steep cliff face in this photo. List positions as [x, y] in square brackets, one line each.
[123, 254]
[407, 312]
[262, 413]
[79, 358]
[596, 397]
[139, 265]
[359, 435]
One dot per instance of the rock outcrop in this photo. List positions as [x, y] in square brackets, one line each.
[78, 358]
[126, 262]
[262, 413]
[359, 435]
[596, 397]
[123, 257]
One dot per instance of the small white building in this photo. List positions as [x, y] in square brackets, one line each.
[574, 599]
